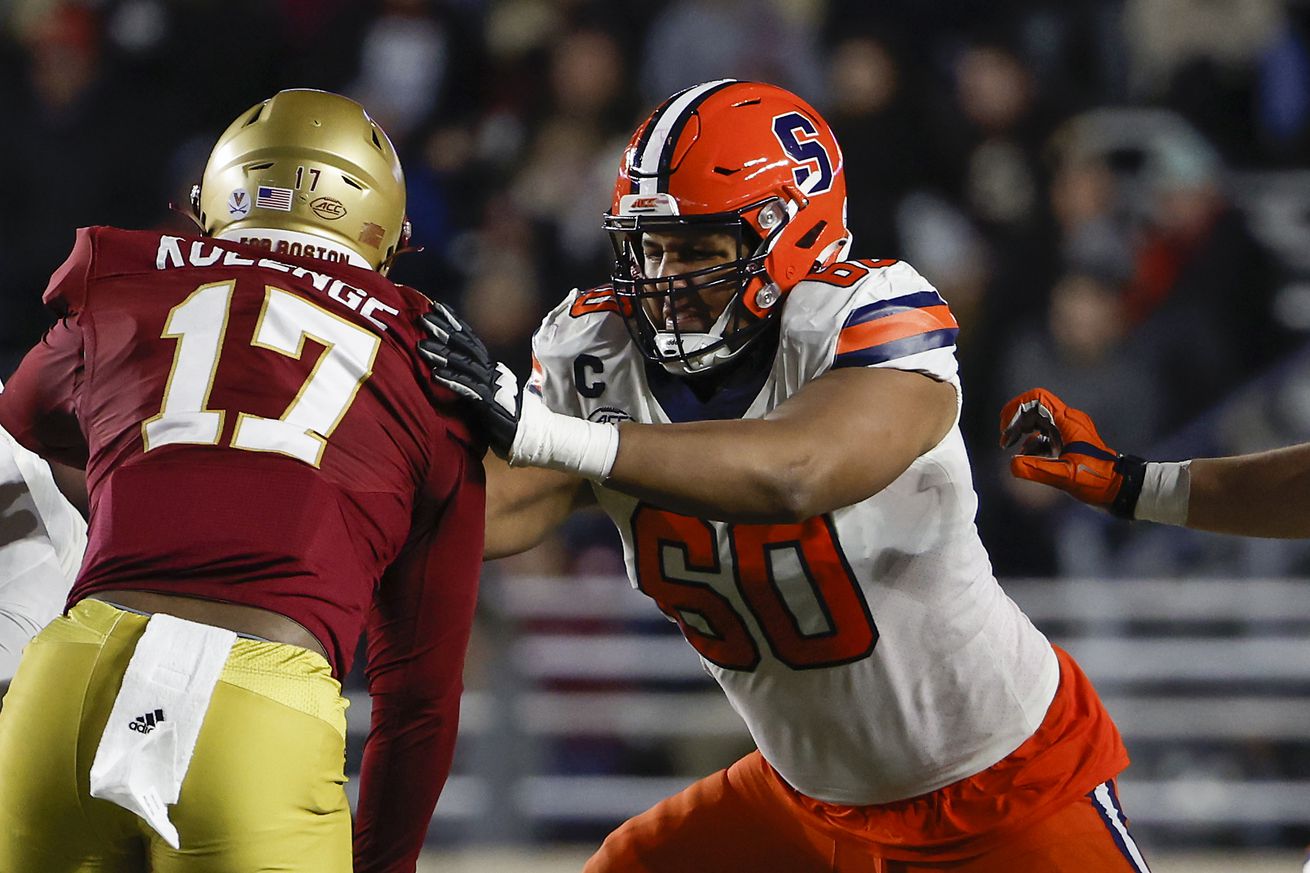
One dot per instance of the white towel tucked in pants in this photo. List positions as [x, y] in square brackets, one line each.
[147, 744]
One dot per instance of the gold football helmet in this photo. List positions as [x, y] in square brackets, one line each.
[308, 162]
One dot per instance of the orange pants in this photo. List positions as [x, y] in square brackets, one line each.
[738, 819]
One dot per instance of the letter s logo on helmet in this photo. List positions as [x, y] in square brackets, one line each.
[745, 158]
[313, 162]
[816, 163]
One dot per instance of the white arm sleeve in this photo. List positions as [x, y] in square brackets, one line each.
[42, 539]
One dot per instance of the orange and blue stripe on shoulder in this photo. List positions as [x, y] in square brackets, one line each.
[889, 329]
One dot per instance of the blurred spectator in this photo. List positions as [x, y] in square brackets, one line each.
[994, 93]
[1165, 36]
[1094, 234]
[502, 297]
[1199, 57]
[986, 149]
[699, 40]
[1202, 288]
[880, 134]
[1283, 91]
[403, 66]
[1084, 347]
[568, 175]
[83, 156]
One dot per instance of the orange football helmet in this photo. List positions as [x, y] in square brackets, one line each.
[747, 158]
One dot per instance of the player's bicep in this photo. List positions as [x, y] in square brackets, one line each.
[71, 482]
[524, 504]
[866, 426]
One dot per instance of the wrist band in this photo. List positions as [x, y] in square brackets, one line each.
[562, 442]
[1166, 489]
[1133, 471]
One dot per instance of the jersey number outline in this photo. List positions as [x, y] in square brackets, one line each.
[844, 274]
[199, 325]
[708, 619]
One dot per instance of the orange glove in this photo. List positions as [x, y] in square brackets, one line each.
[1061, 448]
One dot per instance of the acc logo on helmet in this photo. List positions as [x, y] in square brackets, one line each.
[328, 208]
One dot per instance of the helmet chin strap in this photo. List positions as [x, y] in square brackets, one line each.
[680, 351]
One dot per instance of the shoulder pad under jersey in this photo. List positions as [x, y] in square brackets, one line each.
[869, 313]
[66, 291]
[586, 322]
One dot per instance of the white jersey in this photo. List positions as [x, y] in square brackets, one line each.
[870, 651]
[42, 538]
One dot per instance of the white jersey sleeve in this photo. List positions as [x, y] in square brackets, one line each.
[42, 538]
[870, 314]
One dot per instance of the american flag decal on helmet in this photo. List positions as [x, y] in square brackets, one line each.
[890, 329]
[269, 197]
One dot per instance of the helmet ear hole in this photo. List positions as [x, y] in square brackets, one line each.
[811, 236]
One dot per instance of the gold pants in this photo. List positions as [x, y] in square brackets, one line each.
[264, 790]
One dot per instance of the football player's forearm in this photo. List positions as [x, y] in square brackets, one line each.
[1261, 495]
[808, 457]
[407, 760]
[525, 504]
[739, 471]
[700, 469]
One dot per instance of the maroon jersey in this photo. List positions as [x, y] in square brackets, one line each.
[259, 429]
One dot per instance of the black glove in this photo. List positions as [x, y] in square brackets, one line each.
[461, 362]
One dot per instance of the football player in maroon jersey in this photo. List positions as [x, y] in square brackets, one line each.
[268, 462]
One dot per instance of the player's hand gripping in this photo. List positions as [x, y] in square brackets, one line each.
[516, 424]
[461, 362]
[1061, 448]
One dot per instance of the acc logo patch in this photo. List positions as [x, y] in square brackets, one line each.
[238, 203]
[608, 415]
[328, 207]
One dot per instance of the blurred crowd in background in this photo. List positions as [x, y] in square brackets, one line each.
[1074, 177]
[1112, 195]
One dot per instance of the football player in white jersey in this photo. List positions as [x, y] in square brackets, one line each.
[42, 538]
[772, 427]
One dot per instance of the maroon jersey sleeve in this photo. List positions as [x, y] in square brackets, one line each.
[66, 291]
[418, 631]
[39, 406]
